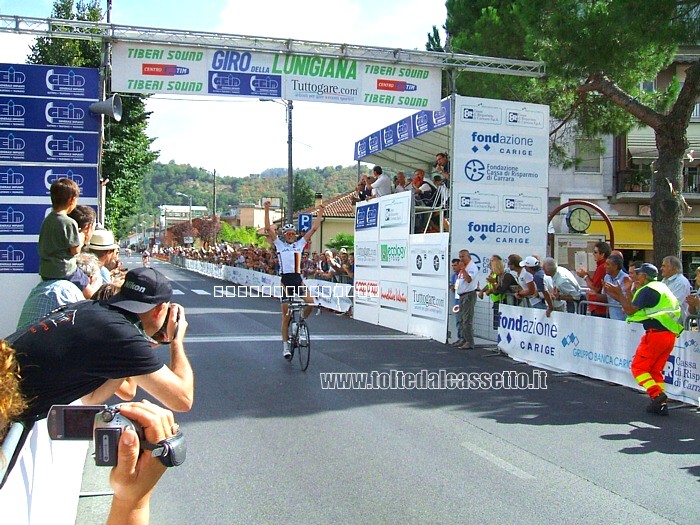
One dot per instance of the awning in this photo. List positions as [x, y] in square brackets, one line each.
[410, 143]
[633, 234]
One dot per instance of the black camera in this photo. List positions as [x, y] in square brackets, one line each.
[102, 423]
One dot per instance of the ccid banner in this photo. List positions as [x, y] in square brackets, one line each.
[49, 81]
[35, 181]
[167, 69]
[47, 132]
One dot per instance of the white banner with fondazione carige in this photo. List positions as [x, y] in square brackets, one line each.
[594, 347]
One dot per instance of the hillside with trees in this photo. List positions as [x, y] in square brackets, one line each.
[162, 182]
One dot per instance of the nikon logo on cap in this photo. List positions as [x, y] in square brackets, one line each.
[134, 286]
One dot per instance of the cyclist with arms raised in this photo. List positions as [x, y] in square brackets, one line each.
[289, 250]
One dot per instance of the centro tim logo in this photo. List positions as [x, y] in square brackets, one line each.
[393, 253]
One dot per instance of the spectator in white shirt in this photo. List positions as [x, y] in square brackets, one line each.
[382, 185]
[672, 272]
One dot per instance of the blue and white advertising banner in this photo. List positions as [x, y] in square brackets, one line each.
[18, 257]
[167, 69]
[499, 219]
[405, 129]
[366, 215]
[49, 81]
[500, 142]
[594, 347]
[35, 181]
[22, 219]
[48, 147]
[58, 114]
[396, 210]
[47, 132]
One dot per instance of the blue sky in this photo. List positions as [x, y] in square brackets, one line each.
[241, 136]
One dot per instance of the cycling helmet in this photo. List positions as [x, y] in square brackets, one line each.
[288, 228]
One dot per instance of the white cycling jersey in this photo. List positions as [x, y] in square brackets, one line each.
[290, 255]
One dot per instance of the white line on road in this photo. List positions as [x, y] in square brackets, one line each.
[178, 292]
[499, 462]
[276, 337]
[201, 292]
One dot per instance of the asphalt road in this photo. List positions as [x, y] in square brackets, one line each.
[268, 445]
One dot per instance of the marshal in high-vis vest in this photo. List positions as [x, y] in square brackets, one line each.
[655, 306]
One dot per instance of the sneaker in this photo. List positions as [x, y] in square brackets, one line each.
[287, 353]
[466, 346]
[659, 405]
[458, 343]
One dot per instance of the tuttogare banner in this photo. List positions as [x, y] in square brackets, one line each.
[167, 69]
[594, 347]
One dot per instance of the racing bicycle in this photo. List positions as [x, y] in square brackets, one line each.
[298, 331]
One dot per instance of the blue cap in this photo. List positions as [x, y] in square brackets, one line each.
[648, 269]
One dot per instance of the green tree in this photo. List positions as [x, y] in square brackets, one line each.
[226, 232]
[598, 53]
[246, 236]
[302, 194]
[341, 240]
[127, 149]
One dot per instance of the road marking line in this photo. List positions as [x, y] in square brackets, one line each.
[201, 292]
[499, 462]
[276, 337]
[178, 292]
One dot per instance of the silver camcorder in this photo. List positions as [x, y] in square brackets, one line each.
[102, 423]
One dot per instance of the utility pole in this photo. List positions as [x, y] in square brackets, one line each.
[214, 194]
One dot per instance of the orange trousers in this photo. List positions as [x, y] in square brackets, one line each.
[650, 359]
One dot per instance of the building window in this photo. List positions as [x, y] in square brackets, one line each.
[649, 86]
[588, 158]
[692, 179]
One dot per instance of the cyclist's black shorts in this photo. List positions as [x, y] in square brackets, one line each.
[292, 284]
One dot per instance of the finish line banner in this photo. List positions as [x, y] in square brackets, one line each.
[141, 68]
[594, 347]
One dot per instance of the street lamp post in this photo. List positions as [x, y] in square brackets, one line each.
[290, 168]
[189, 197]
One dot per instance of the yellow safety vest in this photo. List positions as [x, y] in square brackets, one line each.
[495, 297]
[667, 311]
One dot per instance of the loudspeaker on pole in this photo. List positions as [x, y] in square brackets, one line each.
[111, 107]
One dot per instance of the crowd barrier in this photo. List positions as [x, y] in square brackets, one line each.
[44, 484]
[594, 347]
[590, 346]
[334, 296]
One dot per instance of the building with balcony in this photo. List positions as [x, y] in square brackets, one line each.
[616, 174]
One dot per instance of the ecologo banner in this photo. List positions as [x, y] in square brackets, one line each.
[394, 253]
[141, 68]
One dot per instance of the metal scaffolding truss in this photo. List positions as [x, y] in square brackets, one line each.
[77, 29]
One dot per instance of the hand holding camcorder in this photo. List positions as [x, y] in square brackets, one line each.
[106, 424]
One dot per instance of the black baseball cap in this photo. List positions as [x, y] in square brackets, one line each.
[143, 289]
[648, 269]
